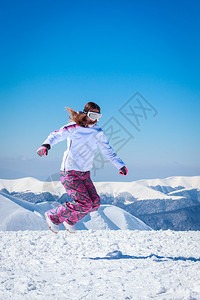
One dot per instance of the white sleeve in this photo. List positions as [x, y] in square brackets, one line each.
[108, 151]
[57, 136]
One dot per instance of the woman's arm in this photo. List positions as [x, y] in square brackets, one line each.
[108, 151]
[57, 136]
[54, 137]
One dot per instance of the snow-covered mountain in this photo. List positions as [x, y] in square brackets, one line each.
[174, 182]
[169, 203]
[140, 190]
[32, 185]
[18, 214]
[183, 214]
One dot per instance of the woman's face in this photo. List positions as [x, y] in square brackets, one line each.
[89, 121]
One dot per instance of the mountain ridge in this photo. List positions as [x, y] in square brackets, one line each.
[154, 201]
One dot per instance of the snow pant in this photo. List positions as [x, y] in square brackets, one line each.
[84, 196]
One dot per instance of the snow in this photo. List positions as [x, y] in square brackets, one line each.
[138, 191]
[30, 184]
[113, 255]
[113, 218]
[102, 264]
[188, 182]
[15, 217]
[182, 190]
[18, 214]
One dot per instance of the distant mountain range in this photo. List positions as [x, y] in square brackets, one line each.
[170, 203]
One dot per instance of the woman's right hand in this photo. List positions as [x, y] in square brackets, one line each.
[43, 150]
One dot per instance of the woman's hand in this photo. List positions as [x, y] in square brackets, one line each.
[43, 150]
[123, 171]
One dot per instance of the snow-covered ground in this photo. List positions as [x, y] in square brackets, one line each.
[101, 264]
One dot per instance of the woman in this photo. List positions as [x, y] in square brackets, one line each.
[83, 136]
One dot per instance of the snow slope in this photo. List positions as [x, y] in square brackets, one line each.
[113, 218]
[17, 214]
[112, 265]
[30, 184]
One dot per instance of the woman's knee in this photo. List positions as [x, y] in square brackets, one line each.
[84, 203]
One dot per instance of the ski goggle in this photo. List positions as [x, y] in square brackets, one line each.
[93, 115]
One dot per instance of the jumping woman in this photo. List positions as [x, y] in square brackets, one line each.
[83, 136]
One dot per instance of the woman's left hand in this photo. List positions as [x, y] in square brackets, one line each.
[123, 171]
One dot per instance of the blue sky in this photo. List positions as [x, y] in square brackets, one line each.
[64, 53]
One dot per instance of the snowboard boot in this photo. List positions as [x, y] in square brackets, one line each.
[53, 227]
[69, 228]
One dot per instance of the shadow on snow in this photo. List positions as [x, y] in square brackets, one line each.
[158, 258]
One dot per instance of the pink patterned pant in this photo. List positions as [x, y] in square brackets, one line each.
[84, 196]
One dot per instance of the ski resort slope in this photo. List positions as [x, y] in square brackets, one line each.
[17, 214]
[102, 264]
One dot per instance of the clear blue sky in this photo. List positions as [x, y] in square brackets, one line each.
[65, 53]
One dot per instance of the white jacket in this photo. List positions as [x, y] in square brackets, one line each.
[82, 144]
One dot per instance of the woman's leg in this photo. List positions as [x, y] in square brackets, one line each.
[72, 212]
[96, 201]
